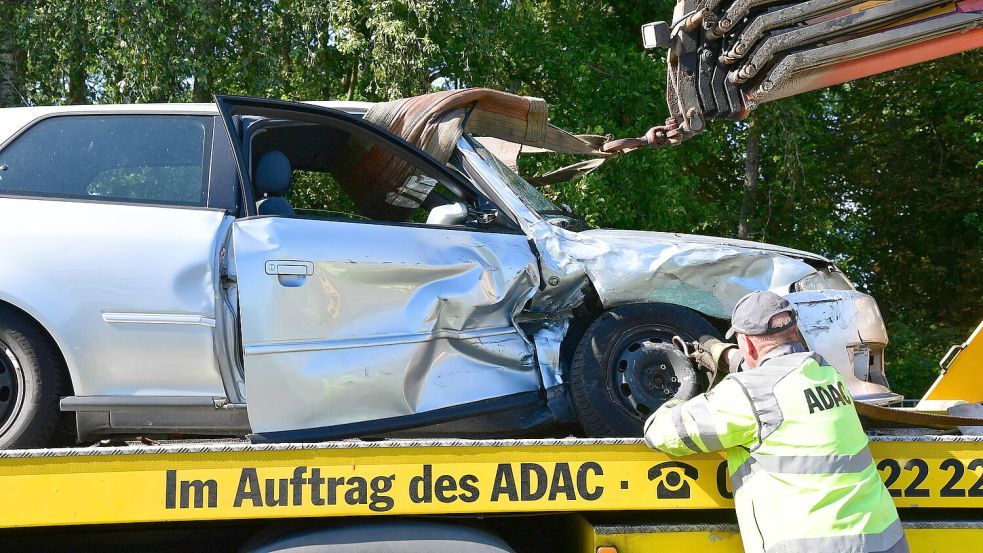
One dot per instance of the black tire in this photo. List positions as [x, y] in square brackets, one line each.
[32, 380]
[625, 366]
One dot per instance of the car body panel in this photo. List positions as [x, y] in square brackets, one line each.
[392, 320]
[364, 321]
[702, 273]
[127, 291]
[13, 120]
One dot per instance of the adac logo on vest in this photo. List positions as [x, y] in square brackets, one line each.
[826, 397]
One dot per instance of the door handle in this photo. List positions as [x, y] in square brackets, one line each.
[290, 274]
[293, 268]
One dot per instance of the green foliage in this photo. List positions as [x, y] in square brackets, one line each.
[883, 175]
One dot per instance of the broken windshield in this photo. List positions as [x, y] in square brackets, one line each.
[533, 198]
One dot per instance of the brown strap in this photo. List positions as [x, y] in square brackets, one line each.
[914, 418]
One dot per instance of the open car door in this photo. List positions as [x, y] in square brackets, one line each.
[355, 327]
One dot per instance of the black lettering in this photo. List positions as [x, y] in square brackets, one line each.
[442, 486]
[824, 397]
[333, 484]
[837, 398]
[248, 489]
[526, 472]
[316, 482]
[921, 473]
[562, 483]
[276, 500]
[893, 469]
[358, 493]
[381, 485]
[420, 486]
[845, 394]
[504, 483]
[199, 488]
[582, 481]
[468, 482]
[170, 490]
[950, 489]
[297, 485]
[812, 401]
[723, 482]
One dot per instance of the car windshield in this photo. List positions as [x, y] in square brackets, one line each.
[528, 193]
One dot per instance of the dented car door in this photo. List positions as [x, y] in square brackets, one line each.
[354, 327]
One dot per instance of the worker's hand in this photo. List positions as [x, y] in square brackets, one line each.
[714, 356]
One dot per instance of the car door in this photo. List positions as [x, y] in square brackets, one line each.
[353, 327]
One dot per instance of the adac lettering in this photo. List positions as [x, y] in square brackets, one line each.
[821, 398]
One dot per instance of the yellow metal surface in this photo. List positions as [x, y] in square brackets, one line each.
[962, 379]
[539, 476]
[921, 540]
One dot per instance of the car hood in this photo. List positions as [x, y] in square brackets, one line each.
[647, 237]
[700, 272]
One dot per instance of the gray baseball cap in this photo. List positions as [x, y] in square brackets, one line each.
[753, 312]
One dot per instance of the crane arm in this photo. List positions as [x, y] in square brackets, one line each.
[727, 57]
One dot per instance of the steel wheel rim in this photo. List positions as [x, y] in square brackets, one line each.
[11, 387]
[642, 380]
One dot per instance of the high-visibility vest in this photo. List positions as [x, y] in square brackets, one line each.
[803, 476]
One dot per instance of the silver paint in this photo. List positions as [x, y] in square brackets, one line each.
[394, 320]
[89, 271]
[703, 273]
[345, 322]
[842, 325]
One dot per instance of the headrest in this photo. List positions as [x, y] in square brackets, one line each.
[274, 205]
[272, 173]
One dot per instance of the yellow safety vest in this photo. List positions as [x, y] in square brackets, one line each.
[803, 477]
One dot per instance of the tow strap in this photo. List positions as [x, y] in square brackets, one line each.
[507, 124]
[914, 418]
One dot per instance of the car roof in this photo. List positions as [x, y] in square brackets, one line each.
[12, 120]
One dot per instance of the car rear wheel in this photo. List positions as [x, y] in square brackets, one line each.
[625, 366]
[31, 380]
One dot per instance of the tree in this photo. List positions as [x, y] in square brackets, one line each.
[883, 175]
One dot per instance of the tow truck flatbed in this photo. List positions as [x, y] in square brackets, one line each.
[612, 492]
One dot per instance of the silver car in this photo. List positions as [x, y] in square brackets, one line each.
[157, 280]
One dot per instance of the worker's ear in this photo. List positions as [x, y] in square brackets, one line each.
[749, 346]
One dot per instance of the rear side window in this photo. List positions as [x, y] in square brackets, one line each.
[156, 159]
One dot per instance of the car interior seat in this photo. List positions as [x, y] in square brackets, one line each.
[271, 177]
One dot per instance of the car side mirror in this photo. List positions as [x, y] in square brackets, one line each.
[448, 215]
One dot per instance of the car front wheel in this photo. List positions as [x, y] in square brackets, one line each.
[625, 366]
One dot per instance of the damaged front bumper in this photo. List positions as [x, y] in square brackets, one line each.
[846, 328]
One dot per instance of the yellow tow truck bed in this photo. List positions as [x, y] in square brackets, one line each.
[614, 492]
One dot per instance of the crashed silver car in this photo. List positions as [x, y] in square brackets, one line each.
[158, 279]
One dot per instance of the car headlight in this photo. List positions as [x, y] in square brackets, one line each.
[829, 278]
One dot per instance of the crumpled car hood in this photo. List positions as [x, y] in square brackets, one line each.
[700, 272]
[635, 236]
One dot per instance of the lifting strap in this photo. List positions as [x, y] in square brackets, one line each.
[914, 418]
[510, 126]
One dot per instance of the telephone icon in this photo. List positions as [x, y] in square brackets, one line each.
[672, 477]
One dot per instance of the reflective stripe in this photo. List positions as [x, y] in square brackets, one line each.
[677, 422]
[891, 540]
[743, 473]
[815, 464]
[704, 423]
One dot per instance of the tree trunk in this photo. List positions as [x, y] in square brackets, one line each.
[752, 170]
[77, 70]
[10, 79]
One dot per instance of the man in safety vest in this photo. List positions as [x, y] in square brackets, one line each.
[803, 477]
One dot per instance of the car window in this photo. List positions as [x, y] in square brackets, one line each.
[336, 174]
[156, 159]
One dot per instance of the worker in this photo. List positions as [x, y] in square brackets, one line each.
[803, 476]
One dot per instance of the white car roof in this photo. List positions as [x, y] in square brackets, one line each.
[13, 120]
